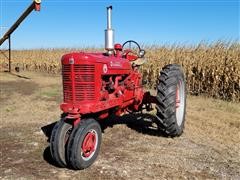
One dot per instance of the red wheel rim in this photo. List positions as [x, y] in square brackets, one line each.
[177, 97]
[180, 102]
[89, 144]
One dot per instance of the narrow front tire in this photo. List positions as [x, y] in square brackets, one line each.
[58, 142]
[84, 144]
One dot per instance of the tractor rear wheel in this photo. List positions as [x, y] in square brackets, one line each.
[84, 144]
[171, 100]
[58, 142]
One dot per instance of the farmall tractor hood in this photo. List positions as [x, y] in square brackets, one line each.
[111, 61]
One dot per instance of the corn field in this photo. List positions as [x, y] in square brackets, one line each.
[210, 69]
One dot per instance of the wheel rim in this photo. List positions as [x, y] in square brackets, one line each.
[180, 102]
[89, 145]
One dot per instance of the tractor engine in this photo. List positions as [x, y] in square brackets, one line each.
[95, 82]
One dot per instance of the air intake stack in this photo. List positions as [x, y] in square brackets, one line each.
[109, 32]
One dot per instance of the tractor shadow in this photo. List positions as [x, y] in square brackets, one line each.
[47, 130]
[142, 123]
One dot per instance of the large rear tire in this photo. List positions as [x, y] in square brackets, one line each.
[171, 100]
[58, 142]
[84, 144]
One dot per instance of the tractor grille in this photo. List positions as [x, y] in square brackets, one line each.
[78, 82]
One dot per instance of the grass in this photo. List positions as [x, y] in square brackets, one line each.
[50, 92]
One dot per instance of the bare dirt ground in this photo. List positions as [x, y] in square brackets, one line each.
[132, 148]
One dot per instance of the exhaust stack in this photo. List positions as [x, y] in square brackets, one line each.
[109, 32]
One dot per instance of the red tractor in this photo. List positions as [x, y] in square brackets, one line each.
[96, 85]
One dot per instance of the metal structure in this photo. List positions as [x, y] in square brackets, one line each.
[109, 32]
[35, 5]
[96, 85]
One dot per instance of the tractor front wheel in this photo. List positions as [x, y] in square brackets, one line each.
[84, 144]
[171, 100]
[58, 142]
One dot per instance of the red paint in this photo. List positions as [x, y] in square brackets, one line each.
[37, 6]
[177, 97]
[118, 47]
[103, 115]
[76, 121]
[89, 143]
[129, 55]
[94, 83]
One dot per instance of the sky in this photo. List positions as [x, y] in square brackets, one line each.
[81, 23]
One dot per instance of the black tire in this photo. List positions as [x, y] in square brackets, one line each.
[171, 88]
[58, 142]
[75, 153]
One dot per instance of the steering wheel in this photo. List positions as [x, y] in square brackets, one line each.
[133, 52]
